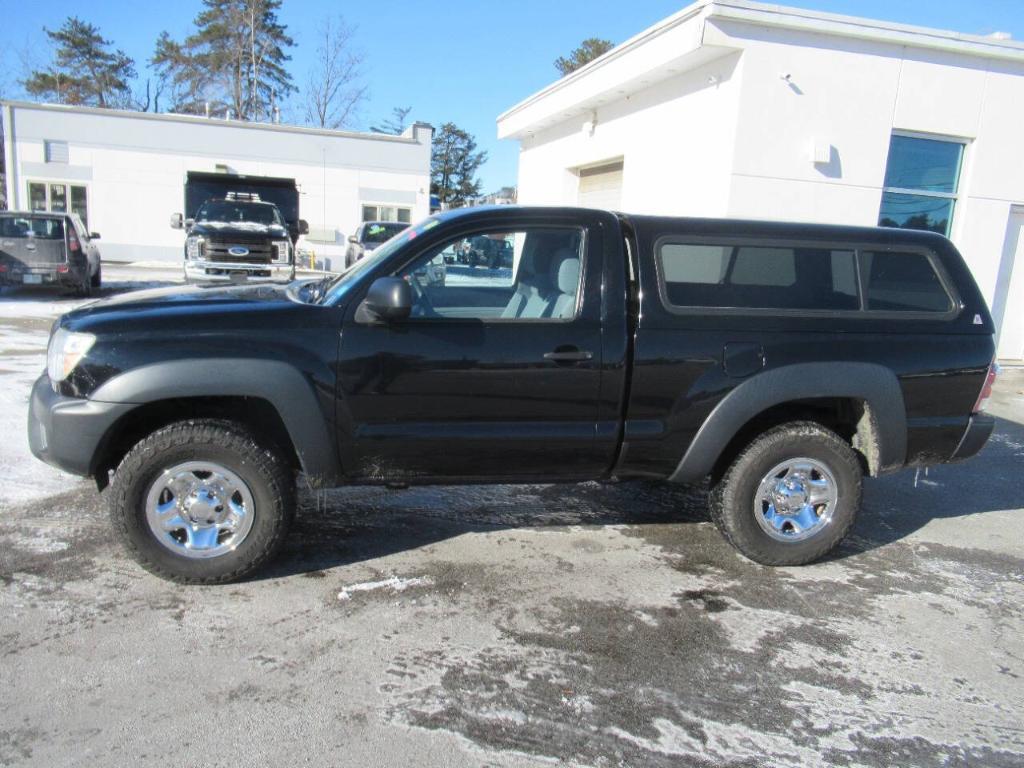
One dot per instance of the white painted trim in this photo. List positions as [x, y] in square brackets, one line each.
[771, 15]
[213, 121]
[9, 156]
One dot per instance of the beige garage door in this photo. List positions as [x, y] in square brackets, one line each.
[601, 187]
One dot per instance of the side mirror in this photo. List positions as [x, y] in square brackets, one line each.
[177, 222]
[303, 227]
[389, 298]
[94, 235]
[353, 239]
[189, 223]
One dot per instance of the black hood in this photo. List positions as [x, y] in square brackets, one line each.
[177, 303]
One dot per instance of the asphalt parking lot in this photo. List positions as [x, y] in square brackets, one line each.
[591, 625]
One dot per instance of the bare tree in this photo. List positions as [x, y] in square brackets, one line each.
[335, 90]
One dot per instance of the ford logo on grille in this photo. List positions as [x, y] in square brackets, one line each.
[237, 250]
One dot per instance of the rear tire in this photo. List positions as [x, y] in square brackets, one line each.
[791, 496]
[169, 488]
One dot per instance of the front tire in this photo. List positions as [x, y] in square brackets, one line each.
[791, 496]
[97, 278]
[202, 502]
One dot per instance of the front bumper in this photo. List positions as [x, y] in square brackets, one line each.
[216, 271]
[979, 429]
[68, 431]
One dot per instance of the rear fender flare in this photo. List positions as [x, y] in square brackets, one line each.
[875, 385]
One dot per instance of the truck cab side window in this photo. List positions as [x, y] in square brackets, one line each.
[522, 275]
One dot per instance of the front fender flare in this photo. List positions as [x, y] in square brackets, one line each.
[286, 388]
[875, 385]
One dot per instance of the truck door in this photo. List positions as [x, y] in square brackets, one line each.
[498, 371]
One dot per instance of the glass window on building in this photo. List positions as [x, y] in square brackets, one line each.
[921, 180]
[59, 198]
[80, 203]
[387, 213]
[36, 196]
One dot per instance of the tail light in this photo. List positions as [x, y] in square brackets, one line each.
[73, 245]
[986, 390]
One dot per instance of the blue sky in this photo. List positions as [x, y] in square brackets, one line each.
[463, 61]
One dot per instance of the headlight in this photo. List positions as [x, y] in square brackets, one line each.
[281, 249]
[195, 247]
[66, 351]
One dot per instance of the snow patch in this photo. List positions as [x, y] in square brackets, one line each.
[393, 584]
[39, 543]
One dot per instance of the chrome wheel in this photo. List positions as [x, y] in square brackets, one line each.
[796, 500]
[199, 509]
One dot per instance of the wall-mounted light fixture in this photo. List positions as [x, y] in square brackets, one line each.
[590, 125]
[821, 152]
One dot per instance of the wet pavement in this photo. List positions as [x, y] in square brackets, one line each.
[595, 624]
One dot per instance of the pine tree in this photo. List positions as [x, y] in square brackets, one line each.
[589, 50]
[235, 60]
[84, 69]
[454, 162]
[394, 124]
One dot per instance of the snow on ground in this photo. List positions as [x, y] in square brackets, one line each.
[392, 584]
[22, 359]
[25, 319]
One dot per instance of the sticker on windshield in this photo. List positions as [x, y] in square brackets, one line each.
[376, 229]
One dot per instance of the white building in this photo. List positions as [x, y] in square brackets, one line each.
[738, 109]
[125, 171]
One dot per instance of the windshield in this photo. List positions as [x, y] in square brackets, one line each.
[231, 212]
[378, 232]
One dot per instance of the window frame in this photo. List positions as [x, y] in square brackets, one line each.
[377, 212]
[47, 183]
[584, 232]
[952, 196]
[956, 304]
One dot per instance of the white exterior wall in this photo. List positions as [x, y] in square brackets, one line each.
[852, 96]
[134, 167]
[676, 139]
[730, 137]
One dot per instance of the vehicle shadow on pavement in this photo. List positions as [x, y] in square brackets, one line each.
[360, 525]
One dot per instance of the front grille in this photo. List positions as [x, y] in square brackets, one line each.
[260, 250]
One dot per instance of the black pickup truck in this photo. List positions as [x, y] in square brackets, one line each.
[239, 228]
[783, 362]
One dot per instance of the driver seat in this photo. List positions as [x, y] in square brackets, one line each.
[532, 297]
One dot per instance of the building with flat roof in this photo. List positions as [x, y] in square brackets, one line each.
[739, 109]
[124, 172]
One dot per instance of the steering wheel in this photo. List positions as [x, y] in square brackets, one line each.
[422, 306]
